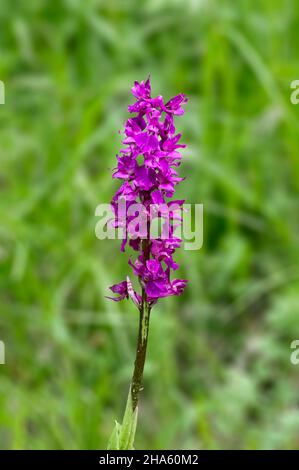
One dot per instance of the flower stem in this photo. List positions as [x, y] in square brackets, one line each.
[144, 317]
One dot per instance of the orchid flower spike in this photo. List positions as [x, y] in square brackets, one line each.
[151, 134]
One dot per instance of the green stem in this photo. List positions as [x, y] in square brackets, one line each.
[144, 317]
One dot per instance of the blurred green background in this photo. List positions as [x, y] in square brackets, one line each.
[218, 373]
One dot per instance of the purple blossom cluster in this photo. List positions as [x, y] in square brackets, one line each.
[147, 165]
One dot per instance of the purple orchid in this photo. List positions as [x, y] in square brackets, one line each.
[147, 165]
[151, 134]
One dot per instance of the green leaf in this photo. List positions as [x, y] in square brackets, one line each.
[128, 428]
[113, 443]
[122, 437]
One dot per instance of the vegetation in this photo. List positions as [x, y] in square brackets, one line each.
[222, 350]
